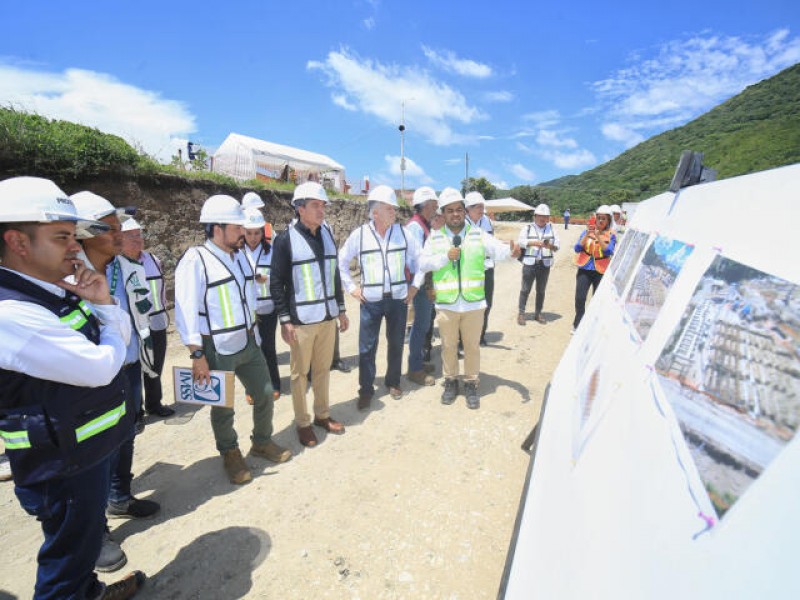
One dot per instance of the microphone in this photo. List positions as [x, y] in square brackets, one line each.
[456, 244]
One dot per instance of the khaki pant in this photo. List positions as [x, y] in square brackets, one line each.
[312, 350]
[468, 325]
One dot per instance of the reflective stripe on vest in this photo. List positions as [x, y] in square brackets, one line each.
[314, 288]
[78, 317]
[545, 254]
[17, 440]
[228, 313]
[467, 278]
[374, 263]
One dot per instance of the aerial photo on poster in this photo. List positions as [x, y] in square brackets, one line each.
[660, 267]
[731, 372]
[628, 254]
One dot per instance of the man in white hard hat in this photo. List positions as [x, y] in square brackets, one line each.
[215, 314]
[385, 254]
[64, 403]
[476, 215]
[133, 249]
[618, 221]
[456, 254]
[308, 297]
[126, 281]
[259, 251]
[539, 243]
[419, 227]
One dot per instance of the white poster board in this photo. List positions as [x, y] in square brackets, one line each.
[667, 464]
[219, 392]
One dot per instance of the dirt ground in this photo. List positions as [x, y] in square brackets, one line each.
[416, 500]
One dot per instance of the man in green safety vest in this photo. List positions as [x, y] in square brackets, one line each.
[456, 254]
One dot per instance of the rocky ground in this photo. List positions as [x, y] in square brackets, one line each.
[416, 500]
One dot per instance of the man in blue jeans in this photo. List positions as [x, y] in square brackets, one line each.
[419, 227]
[128, 284]
[384, 252]
[64, 405]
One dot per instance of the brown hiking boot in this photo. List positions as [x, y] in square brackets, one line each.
[521, 319]
[236, 468]
[271, 451]
[420, 378]
[124, 588]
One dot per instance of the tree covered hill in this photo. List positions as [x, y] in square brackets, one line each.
[756, 130]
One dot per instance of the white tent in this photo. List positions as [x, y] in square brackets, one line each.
[243, 158]
[506, 205]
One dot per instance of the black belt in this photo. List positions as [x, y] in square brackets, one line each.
[387, 295]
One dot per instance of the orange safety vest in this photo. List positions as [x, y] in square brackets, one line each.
[594, 249]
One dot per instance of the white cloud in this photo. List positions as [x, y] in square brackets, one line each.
[453, 161]
[522, 172]
[369, 24]
[570, 160]
[431, 107]
[688, 77]
[498, 96]
[341, 100]
[544, 118]
[413, 170]
[620, 133]
[553, 139]
[451, 63]
[142, 117]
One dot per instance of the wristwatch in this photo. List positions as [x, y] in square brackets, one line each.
[197, 353]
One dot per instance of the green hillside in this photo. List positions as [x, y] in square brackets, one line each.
[755, 130]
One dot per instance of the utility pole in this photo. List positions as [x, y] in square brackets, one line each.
[402, 151]
[466, 172]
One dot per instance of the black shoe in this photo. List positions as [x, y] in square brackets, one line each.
[471, 392]
[132, 509]
[450, 391]
[340, 365]
[364, 401]
[484, 342]
[161, 411]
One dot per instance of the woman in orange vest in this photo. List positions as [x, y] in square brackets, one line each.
[593, 252]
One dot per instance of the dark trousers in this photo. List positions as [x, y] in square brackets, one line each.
[267, 326]
[419, 330]
[533, 273]
[372, 313]
[583, 280]
[72, 514]
[152, 385]
[122, 459]
[488, 286]
[566, 222]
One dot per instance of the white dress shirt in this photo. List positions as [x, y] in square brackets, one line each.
[37, 343]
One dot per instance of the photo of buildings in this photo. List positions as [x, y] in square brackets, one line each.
[629, 252]
[731, 372]
[660, 266]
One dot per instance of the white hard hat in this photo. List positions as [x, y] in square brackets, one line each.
[131, 225]
[383, 193]
[604, 210]
[448, 196]
[310, 190]
[252, 200]
[474, 198]
[423, 194]
[542, 209]
[615, 208]
[222, 209]
[91, 206]
[253, 219]
[37, 200]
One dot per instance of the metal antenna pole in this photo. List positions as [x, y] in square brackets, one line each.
[402, 150]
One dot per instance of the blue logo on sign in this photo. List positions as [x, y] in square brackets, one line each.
[208, 392]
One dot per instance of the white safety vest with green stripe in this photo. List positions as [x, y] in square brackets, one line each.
[466, 278]
[376, 264]
[314, 288]
[533, 253]
[159, 317]
[262, 262]
[229, 301]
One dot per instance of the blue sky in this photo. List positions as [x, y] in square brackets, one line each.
[531, 90]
